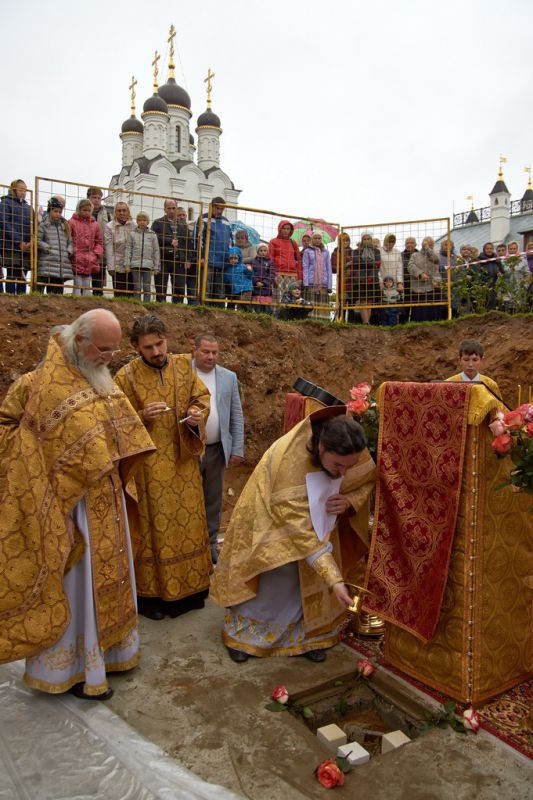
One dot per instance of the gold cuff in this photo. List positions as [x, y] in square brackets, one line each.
[326, 567]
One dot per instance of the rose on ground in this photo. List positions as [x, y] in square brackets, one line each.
[359, 405]
[329, 774]
[280, 695]
[502, 443]
[365, 667]
[471, 719]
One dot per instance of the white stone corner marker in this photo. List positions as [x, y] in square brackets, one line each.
[393, 740]
[354, 753]
[332, 736]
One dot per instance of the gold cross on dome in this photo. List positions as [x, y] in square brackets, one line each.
[210, 76]
[503, 160]
[528, 170]
[156, 70]
[131, 87]
[170, 40]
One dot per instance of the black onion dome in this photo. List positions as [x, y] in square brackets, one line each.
[155, 103]
[208, 118]
[132, 125]
[528, 195]
[174, 95]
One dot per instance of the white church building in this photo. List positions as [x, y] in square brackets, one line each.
[159, 154]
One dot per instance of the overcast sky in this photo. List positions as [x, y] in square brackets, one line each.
[357, 112]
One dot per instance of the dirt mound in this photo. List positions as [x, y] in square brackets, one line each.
[268, 355]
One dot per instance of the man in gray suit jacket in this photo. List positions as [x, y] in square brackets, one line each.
[225, 429]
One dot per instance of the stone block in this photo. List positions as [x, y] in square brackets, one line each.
[332, 736]
[393, 740]
[354, 753]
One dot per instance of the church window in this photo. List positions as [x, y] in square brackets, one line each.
[178, 138]
[495, 201]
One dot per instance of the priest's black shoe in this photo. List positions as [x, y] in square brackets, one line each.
[315, 655]
[150, 607]
[77, 691]
[237, 655]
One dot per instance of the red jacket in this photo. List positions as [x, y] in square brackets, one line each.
[285, 253]
[86, 244]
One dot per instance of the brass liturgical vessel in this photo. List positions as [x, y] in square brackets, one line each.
[363, 623]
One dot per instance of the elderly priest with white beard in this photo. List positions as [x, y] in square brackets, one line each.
[69, 444]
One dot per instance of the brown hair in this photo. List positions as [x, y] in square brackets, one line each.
[146, 324]
[471, 347]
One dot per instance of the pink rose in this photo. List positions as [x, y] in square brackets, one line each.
[526, 409]
[502, 444]
[362, 390]
[329, 774]
[359, 406]
[497, 427]
[365, 667]
[529, 430]
[280, 694]
[471, 719]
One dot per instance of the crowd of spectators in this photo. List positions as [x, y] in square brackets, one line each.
[377, 282]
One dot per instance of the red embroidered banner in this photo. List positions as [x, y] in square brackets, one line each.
[420, 462]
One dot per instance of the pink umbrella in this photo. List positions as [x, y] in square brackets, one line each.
[310, 226]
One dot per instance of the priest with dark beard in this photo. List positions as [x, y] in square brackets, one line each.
[70, 443]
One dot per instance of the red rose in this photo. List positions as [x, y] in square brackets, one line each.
[359, 406]
[502, 444]
[365, 667]
[514, 419]
[280, 694]
[329, 774]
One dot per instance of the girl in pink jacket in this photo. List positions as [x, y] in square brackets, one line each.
[87, 247]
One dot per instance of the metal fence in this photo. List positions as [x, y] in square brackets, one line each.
[123, 265]
[275, 271]
[390, 273]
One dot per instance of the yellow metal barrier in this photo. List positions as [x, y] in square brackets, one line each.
[178, 278]
[347, 278]
[379, 282]
[249, 286]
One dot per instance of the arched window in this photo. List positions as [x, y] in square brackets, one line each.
[178, 138]
[495, 201]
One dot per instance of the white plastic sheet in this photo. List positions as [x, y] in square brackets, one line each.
[62, 748]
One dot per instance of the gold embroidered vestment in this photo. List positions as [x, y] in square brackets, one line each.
[60, 441]
[173, 559]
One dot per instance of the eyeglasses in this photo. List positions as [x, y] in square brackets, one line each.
[106, 353]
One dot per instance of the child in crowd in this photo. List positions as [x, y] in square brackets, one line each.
[293, 297]
[390, 295]
[238, 277]
[87, 247]
[471, 354]
[248, 251]
[264, 275]
[305, 241]
[143, 258]
[55, 248]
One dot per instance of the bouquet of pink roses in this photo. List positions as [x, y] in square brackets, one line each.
[514, 437]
